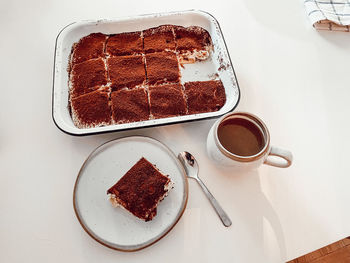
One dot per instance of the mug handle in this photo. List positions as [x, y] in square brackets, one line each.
[285, 160]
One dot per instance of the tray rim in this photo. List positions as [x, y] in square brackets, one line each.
[186, 189]
[88, 133]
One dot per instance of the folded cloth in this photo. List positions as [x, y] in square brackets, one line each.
[329, 14]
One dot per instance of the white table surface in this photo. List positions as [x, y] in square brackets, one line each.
[295, 78]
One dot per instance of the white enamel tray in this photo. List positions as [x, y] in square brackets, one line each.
[115, 227]
[219, 63]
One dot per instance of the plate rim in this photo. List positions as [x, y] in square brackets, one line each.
[90, 233]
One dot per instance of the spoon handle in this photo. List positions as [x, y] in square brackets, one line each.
[218, 209]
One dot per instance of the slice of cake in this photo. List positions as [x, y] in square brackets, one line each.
[91, 109]
[91, 46]
[124, 44]
[192, 43]
[167, 100]
[129, 105]
[162, 67]
[87, 76]
[204, 96]
[126, 71]
[140, 190]
[159, 39]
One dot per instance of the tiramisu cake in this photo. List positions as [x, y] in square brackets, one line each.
[91, 46]
[124, 44]
[126, 71]
[162, 67]
[204, 96]
[159, 39]
[192, 43]
[87, 76]
[167, 101]
[135, 76]
[140, 190]
[91, 109]
[129, 105]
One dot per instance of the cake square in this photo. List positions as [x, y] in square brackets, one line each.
[159, 38]
[162, 67]
[129, 105]
[140, 190]
[126, 71]
[193, 37]
[204, 96]
[89, 47]
[91, 109]
[167, 100]
[87, 76]
[192, 43]
[124, 44]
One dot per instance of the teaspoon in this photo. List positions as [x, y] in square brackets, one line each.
[191, 167]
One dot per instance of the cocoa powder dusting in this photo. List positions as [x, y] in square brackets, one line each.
[140, 189]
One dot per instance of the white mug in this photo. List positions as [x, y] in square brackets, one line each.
[268, 154]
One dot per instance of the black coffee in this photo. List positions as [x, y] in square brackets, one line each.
[240, 137]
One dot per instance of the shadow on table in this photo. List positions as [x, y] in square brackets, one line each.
[289, 18]
[339, 39]
[284, 17]
[252, 210]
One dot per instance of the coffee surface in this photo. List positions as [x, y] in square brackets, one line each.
[240, 137]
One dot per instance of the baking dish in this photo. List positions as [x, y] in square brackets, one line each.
[218, 65]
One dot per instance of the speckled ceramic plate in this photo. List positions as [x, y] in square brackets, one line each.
[115, 227]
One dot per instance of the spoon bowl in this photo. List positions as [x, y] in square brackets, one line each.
[190, 164]
[191, 168]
